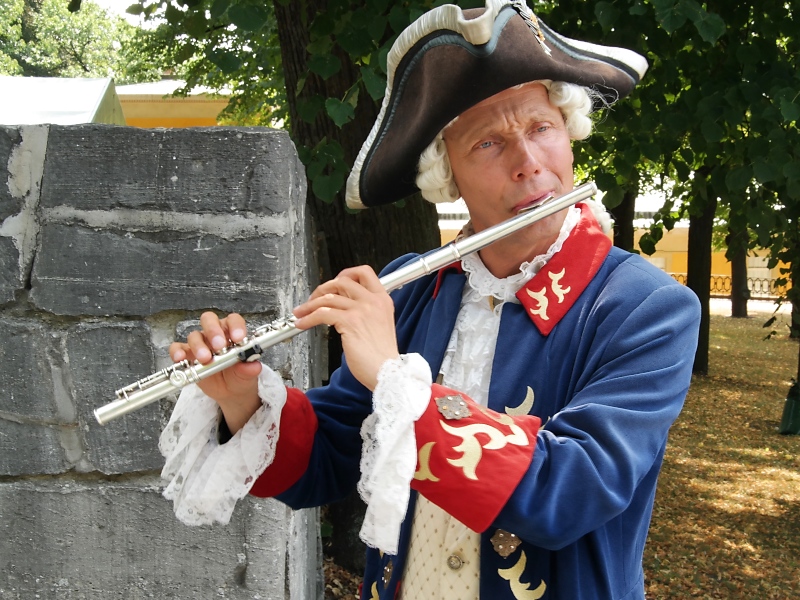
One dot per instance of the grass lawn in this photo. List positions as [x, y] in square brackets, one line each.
[726, 522]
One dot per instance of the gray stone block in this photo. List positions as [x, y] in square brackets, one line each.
[11, 271]
[23, 150]
[196, 170]
[31, 449]
[79, 271]
[102, 358]
[120, 541]
[9, 205]
[26, 378]
[37, 418]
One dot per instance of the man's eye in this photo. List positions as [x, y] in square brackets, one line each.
[486, 144]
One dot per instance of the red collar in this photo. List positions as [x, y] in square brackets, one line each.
[552, 292]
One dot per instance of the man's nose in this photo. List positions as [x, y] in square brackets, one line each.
[526, 160]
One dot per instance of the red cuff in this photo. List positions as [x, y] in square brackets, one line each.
[297, 429]
[469, 465]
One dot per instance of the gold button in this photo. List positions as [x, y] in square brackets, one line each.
[455, 562]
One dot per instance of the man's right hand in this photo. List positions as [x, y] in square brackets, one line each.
[235, 389]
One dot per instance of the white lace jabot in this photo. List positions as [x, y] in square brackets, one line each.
[483, 284]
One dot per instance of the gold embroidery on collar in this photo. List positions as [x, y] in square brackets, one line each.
[556, 286]
[541, 298]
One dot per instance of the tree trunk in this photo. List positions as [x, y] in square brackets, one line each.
[737, 251]
[698, 277]
[794, 331]
[623, 220]
[374, 236]
[797, 376]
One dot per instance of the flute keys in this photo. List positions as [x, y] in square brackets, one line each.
[178, 378]
[251, 354]
[232, 345]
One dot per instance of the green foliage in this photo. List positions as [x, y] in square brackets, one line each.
[42, 38]
[715, 117]
[224, 45]
[325, 168]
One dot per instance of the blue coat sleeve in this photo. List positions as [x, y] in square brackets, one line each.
[598, 457]
[340, 408]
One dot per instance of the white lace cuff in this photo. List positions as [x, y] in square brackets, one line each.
[389, 454]
[206, 478]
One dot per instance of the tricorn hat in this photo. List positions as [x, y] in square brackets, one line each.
[451, 59]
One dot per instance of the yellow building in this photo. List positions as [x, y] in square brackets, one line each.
[73, 101]
[152, 105]
[671, 256]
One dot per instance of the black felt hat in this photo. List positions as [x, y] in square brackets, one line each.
[451, 59]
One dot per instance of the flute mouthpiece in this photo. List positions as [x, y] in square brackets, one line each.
[546, 200]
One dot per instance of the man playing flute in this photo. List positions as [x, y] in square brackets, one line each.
[506, 418]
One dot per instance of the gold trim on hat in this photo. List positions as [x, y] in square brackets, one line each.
[532, 22]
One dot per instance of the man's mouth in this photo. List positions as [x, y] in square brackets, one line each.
[530, 204]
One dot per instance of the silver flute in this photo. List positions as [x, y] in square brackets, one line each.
[173, 378]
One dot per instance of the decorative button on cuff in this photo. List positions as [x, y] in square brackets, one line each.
[453, 407]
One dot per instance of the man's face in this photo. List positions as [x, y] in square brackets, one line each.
[507, 153]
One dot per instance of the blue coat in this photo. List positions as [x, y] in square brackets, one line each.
[609, 379]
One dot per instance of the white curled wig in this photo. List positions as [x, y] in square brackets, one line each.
[435, 177]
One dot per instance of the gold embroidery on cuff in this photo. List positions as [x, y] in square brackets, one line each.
[472, 450]
[424, 457]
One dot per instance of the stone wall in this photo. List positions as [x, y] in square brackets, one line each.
[112, 241]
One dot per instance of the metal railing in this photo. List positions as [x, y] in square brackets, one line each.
[760, 287]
